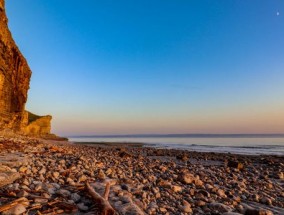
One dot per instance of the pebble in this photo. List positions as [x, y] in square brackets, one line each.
[187, 178]
[257, 212]
[82, 207]
[23, 193]
[56, 175]
[266, 200]
[150, 181]
[186, 207]
[177, 188]
[221, 193]
[75, 197]
[222, 208]
[51, 191]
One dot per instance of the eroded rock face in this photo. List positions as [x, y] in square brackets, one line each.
[38, 125]
[14, 77]
[14, 84]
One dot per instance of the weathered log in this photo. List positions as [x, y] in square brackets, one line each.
[102, 201]
[67, 207]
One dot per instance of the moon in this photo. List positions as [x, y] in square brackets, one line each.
[277, 13]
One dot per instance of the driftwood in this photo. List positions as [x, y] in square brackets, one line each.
[102, 201]
[67, 207]
[54, 212]
[12, 204]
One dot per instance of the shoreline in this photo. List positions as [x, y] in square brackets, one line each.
[144, 180]
[237, 150]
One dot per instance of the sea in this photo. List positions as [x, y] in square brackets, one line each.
[234, 144]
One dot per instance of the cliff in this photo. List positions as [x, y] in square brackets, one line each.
[15, 77]
[38, 125]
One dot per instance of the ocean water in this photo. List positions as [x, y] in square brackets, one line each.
[236, 145]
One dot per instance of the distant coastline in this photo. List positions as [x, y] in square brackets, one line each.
[182, 136]
[250, 144]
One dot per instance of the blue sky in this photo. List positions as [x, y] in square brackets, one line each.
[122, 67]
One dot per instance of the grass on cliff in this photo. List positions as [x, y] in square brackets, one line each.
[33, 117]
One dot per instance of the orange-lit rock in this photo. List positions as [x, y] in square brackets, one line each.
[14, 85]
[38, 125]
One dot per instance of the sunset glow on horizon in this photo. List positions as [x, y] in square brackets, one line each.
[144, 67]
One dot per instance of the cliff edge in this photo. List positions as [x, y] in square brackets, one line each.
[15, 77]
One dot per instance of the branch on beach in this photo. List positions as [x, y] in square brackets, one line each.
[102, 201]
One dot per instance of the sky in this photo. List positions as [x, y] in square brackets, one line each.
[162, 66]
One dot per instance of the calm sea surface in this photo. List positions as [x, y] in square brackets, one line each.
[236, 145]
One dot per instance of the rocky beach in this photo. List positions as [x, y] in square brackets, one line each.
[50, 177]
[42, 174]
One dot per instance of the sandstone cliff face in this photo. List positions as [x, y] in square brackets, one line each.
[14, 77]
[14, 84]
[38, 125]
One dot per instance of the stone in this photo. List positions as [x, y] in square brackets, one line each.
[17, 210]
[82, 207]
[182, 157]
[101, 175]
[23, 169]
[23, 193]
[82, 178]
[200, 203]
[3, 176]
[176, 188]
[8, 177]
[75, 197]
[198, 183]
[164, 183]
[186, 178]
[221, 208]
[221, 193]
[266, 200]
[42, 171]
[38, 187]
[65, 193]
[70, 181]
[257, 212]
[204, 193]
[55, 174]
[38, 125]
[51, 190]
[55, 185]
[235, 164]
[186, 207]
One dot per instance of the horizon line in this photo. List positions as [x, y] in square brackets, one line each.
[180, 135]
